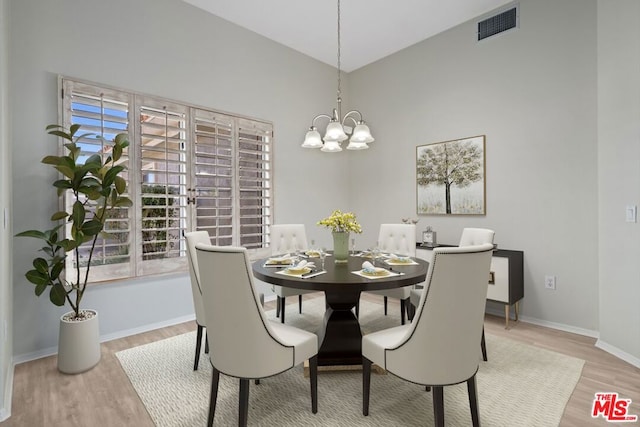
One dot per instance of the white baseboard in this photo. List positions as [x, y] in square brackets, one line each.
[618, 353]
[547, 324]
[107, 337]
[5, 411]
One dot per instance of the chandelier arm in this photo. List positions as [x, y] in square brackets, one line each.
[348, 115]
[319, 116]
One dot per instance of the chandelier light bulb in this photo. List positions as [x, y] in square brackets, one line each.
[312, 139]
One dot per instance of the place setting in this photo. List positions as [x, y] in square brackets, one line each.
[303, 269]
[370, 271]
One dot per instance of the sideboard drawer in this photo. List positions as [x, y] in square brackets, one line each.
[498, 290]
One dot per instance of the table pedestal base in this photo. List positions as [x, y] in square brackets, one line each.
[340, 338]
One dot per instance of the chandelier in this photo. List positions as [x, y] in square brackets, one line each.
[337, 130]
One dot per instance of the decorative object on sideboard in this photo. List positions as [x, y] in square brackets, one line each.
[450, 177]
[337, 131]
[93, 183]
[429, 238]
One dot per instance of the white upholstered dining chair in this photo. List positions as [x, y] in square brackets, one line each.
[243, 343]
[193, 238]
[399, 239]
[470, 236]
[439, 347]
[287, 238]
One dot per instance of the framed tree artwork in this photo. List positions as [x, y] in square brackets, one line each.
[450, 177]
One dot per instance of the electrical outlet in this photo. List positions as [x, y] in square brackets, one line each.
[550, 282]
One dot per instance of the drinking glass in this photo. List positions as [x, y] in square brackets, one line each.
[323, 254]
[353, 246]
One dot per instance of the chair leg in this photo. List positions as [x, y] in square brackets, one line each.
[473, 401]
[366, 385]
[483, 345]
[402, 311]
[243, 410]
[438, 406]
[277, 306]
[411, 311]
[386, 300]
[300, 304]
[198, 344]
[206, 344]
[282, 309]
[215, 378]
[358, 309]
[313, 379]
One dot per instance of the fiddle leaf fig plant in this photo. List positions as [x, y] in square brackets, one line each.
[96, 187]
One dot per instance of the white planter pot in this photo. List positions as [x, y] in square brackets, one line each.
[78, 344]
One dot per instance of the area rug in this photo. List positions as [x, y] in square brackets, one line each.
[520, 385]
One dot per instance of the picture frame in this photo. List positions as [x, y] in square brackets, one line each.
[450, 177]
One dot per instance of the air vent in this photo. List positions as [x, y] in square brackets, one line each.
[499, 23]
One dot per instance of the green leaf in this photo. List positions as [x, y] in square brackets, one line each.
[91, 228]
[59, 215]
[50, 160]
[94, 159]
[40, 288]
[69, 245]
[111, 174]
[60, 134]
[123, 202]
[62, 183]
[90, 182]
[93, 193]
[33, 233]
[54, 126]
[56, 270]
[121, 138]
[78, 213]
[117, 152]
[65, 170]
[36, 277]
[73, 129]
[41, 265]
[57, 294]
[121, 184]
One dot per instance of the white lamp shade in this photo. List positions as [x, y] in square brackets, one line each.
[331, 147]
[312, 139]
[334, 133]
[357, 145]
[361, 134]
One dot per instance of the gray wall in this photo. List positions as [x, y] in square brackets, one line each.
[619, 174]
[532, 92]
[6, 347]
[199, 59]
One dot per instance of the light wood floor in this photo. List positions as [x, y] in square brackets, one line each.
[104, 397]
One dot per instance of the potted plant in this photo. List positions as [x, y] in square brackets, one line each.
[96, 187]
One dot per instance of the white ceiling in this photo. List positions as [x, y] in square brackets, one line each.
[370, 29]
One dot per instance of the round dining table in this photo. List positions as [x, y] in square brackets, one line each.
[340, 336]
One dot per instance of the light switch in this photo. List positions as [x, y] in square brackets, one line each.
[631, 213]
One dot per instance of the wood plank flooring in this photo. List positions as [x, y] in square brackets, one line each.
[104, 397]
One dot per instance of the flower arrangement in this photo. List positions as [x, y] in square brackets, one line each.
[340, 222]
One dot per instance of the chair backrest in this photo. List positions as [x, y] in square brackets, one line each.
[476, 236]
[441, 345]
[193, 238]
[288, 238]
[399, 239]
[242, 342]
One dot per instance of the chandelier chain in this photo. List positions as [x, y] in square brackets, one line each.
[339, 77]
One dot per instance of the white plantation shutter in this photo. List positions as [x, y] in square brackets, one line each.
[102, 113]
[188, 168]
[163, 186]
[254, 180]
[213, 175]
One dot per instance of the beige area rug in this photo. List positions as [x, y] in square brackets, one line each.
[520, 385]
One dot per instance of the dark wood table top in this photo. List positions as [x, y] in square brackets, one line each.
[339, 275]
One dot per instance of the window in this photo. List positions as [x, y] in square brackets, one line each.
[187, 169]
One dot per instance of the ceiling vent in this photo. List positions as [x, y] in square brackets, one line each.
[507, 19]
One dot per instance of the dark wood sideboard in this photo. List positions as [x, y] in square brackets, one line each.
[506, 279]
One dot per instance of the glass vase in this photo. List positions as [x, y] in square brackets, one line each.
[341, 246]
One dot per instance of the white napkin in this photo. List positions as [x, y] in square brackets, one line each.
[398, 257]
[302, 264]
[367, 266]
[280, 258]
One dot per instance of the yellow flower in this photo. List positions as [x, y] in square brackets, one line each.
[341, 222]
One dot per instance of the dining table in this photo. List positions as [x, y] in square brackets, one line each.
[340, 336]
